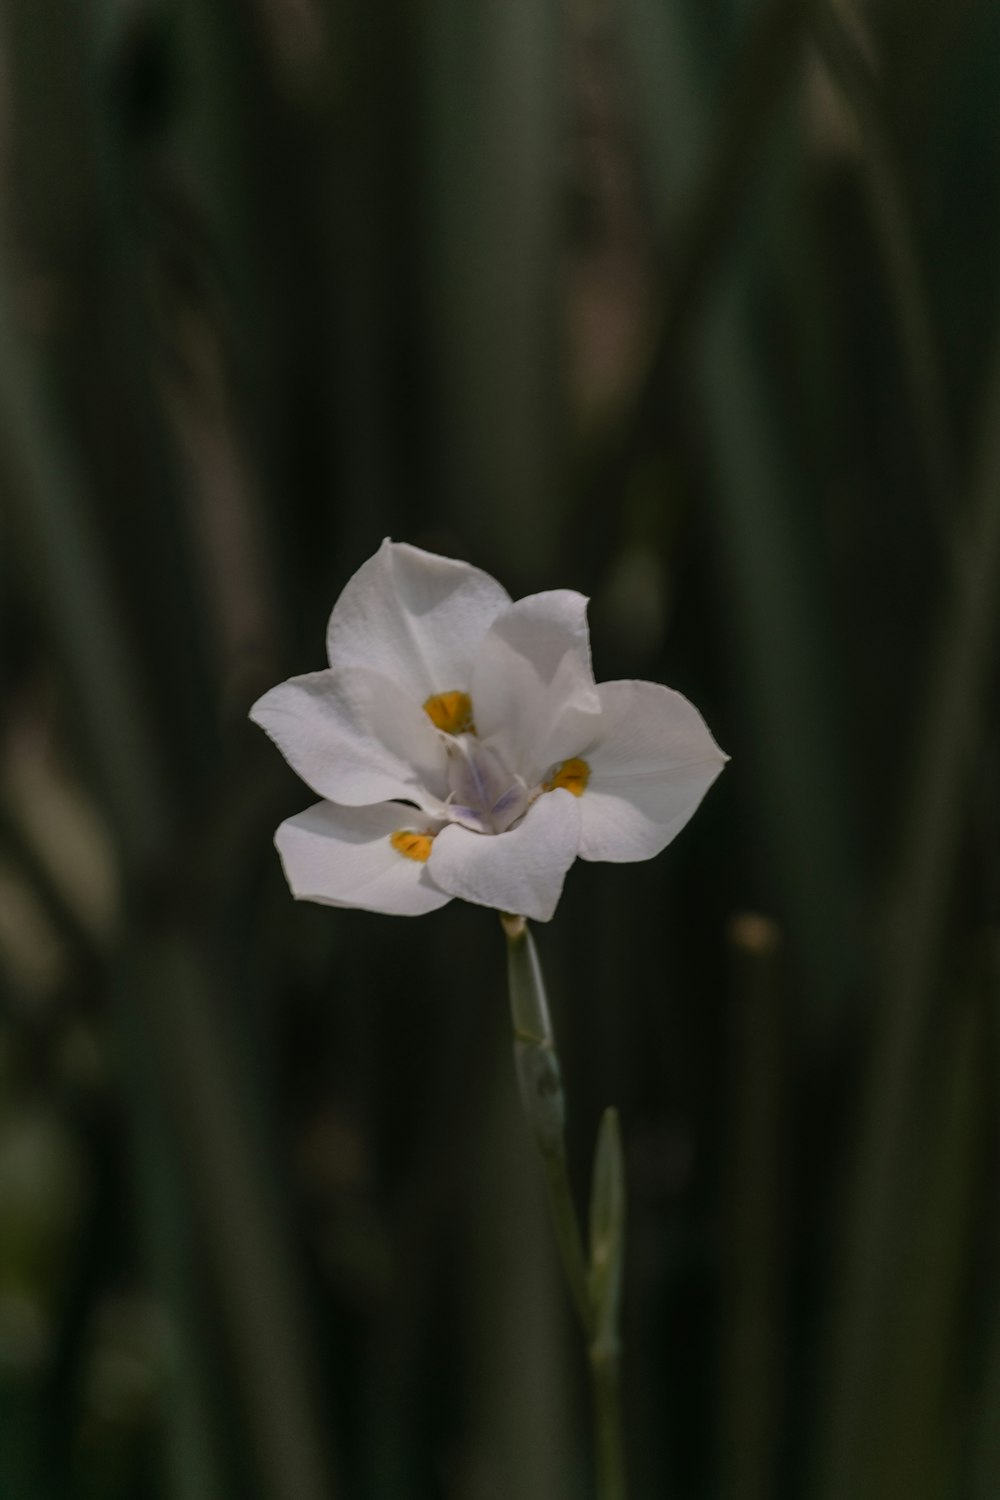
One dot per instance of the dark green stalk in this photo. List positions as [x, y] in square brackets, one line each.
[608, 1416]
[596, 1289]
[540, 1080]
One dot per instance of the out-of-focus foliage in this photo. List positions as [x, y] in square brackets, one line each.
[692, 306]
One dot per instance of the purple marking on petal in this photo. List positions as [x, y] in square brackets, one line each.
[510, 806]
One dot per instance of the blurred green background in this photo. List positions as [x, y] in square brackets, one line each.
[691, 305]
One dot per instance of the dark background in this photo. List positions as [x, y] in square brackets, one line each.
[691, 305]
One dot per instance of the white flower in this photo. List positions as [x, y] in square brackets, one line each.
[462, 747]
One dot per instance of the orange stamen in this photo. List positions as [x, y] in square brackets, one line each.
[451, 712]
[412, 845]
[572, 775]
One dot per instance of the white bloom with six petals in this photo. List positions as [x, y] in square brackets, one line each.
[462, 747]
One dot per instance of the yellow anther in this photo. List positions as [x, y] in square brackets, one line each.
[451, 712]
[573, 775]
[412, 845]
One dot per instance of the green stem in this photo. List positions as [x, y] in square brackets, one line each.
[567, 1232]
[594, 1291]
[604, 1373]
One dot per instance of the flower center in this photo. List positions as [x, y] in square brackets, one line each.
[483, 794]
[451, 713]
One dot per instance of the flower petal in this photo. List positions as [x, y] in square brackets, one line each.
[521, 871]
[651, 763]
[533, 689]
[415, 617]
[343, 856]
[355, 738]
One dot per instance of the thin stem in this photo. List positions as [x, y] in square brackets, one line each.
[610, 1449]
[567, 1232]
[594, 1289]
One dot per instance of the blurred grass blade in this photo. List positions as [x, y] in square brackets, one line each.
[19, 848]
[607, 1269]
[784, 648]
[904, 279]
[493, 96]
[934, 809]
[773, 571]
[241, 1218]
[700, 154]
[918, 1417]
[753, 1321]
[194, 1465]
[50, 512]
[607, 1231]
[986, 1442]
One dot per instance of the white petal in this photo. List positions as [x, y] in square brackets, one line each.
[521, 871]
[533, 690]
[355, 738]
[650, 765]
[342, 856]
[415, 617]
